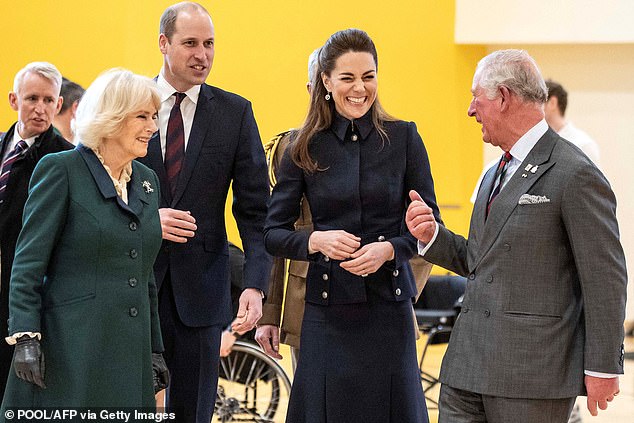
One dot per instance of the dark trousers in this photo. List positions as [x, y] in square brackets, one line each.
[192, 355]
[458, 406]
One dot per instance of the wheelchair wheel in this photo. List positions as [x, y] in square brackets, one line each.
[252, 387]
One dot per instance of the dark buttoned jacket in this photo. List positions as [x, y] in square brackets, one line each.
[224, 149]
[361, 187]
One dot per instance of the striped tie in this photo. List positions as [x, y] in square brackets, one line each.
[499, 177]
[175, 143]
[14, 155]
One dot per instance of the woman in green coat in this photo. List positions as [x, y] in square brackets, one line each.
[83, 302]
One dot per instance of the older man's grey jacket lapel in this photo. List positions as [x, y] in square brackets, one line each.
[487, 231]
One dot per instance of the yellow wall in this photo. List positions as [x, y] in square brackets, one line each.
[261, 53]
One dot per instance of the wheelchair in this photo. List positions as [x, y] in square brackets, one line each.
[252, 387]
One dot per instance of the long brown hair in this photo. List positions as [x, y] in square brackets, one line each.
[320, 111]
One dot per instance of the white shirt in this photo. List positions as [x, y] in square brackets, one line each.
[188, 108]
[581, 140]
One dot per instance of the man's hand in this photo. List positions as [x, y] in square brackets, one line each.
[600, 392]
[369, 258]
[268, 336]
[28, 361]
[226, 343]
[177, 225]
[249, 310]
[337, 244]
[420, 218]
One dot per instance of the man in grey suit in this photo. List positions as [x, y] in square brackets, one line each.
[542, 317]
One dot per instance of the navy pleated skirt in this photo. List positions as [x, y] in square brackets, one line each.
[358, 364]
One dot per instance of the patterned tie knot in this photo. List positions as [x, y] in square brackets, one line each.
[179, 98]
[21, 146]
[507, 157]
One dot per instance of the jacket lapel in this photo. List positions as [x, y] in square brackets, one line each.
[104, 182]
[204, 110]
[138, 191]
[507, 200]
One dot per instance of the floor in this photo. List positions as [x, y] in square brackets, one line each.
[621, 410]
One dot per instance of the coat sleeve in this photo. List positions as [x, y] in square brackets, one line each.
[44, 219]
[417, 177]
[155, 326]
[250, 192]
[589, 215]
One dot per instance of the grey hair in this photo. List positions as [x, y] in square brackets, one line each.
[514, 69]
[312, 65]
[44, 69]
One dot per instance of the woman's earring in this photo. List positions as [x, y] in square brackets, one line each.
[327, 96]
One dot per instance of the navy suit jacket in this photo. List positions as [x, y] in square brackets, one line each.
[224, 148]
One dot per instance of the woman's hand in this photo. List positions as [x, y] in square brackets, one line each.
[28, 361]
[369, 258]
[338, 244]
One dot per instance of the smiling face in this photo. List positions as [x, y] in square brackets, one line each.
[189, 54]
[353, 84]
[37, 101]
[137, 129]
[487, 113]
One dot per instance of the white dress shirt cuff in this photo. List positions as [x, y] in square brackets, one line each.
[599, 374]
[13, 339]
[422, 247]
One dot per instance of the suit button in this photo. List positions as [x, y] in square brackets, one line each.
[324, 295]
[133, 253]
[326, 258]
[507, 247]
[354, 137]
[134, 312]
[471, 276]
[395, 273]
[132, 282]
[166, 248]
[487, 313]
[464, 309]
[489, 279]
[325, 276]
[132, 226]
[381, 238]
[398, 291]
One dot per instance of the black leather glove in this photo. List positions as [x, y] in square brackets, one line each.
[160, 374]
[28, 360]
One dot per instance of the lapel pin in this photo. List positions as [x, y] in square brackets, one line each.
[524, 175]
[534, 169]
[147, 187]
[528, 167]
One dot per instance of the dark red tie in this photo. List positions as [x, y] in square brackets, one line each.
[499, 177]
[15, 154]
[175, 143]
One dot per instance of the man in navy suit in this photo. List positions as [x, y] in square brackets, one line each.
[221, 146]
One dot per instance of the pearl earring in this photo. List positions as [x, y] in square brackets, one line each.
[327, 96]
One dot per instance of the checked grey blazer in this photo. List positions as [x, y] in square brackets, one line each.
[546, 289]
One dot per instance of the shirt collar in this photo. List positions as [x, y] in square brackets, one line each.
[166, 90]
[362, 126]
[525, 144]
[17, 138]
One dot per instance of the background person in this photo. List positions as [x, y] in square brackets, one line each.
[35, 97]
[207, 141]
[355, 165]
[71, 92]
[83, 302]
[542, 317]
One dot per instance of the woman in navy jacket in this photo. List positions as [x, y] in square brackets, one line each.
[355, 164]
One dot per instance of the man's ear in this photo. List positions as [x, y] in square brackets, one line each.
[13, 100]
[505, 97]
[60, 101]
[163, 42]
[73, 108]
